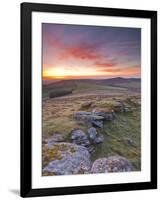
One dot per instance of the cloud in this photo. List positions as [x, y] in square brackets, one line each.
[79, 53]
[109, 70]
[89, 53]
[80, 50]
[133, 70]
[108, 64]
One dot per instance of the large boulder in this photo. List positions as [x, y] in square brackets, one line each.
[111, 164]
[94, 137]
[80, 138]
[68, 159]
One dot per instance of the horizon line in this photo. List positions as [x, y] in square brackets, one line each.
[83, 78]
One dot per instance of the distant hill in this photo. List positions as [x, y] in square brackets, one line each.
[91, 85]
[118, 81]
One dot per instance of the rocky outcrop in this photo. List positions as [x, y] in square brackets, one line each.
[111, 164]
[92, 137]
[94, 118]
[69, 159]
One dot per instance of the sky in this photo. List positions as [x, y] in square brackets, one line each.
[97, 52]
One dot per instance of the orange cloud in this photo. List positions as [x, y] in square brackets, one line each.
[128, 71]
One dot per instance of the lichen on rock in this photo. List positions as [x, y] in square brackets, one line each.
[74, 159]
[111, 164]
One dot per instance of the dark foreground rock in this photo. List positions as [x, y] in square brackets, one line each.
[111, 164]
[69, 159]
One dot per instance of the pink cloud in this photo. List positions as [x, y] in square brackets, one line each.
[79, 52]
[105, 64]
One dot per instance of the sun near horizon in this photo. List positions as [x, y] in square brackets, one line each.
[83, 72]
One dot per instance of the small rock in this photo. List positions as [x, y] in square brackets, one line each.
[97, 123]
[86, 104]
[119, 107]
[92, 133]
[111, 164]
[129, 141]
[99, 139]
[126, 109]
[95, 138]
[80, 138]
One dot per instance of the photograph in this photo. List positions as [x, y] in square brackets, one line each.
[91, 99]
[88, 99]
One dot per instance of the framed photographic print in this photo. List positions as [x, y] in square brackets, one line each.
[88, 99]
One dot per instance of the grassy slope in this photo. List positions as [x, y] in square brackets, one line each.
[116, 133]
[83, 88]
[58, 117]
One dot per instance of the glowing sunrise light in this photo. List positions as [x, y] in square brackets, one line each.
[95, 52]
[62, 72]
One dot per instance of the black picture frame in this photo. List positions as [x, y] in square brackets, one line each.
[26, 103]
